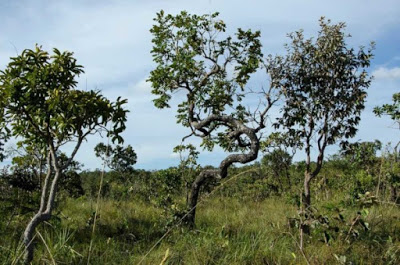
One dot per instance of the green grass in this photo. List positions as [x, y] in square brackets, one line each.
[228, 231]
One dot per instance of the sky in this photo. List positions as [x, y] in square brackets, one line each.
[111, 39]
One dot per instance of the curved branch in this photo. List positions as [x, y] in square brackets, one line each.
[222, 171]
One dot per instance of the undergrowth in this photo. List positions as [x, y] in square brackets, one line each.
[228, 231]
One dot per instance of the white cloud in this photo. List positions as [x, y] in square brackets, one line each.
[111, 39]
[387, 73]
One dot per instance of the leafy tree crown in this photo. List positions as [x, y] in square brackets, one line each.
[392, 110]
[324, 84]
[193, 56]
[41, 104]
[117, 158]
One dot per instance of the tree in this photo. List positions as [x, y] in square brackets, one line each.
[4, 132]
[43, 109]
[278, 163]
[194, 59]
[117, 158]
[71, 181]
[362, 154]
[188, 166]
[28, 167]
[365, 165]
[323, 83]
[30, 160]
[393, 158]
[165, 185]
[391, 110]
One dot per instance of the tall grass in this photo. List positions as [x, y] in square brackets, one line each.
[228, 231]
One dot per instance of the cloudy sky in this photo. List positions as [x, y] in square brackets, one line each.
[112, 40]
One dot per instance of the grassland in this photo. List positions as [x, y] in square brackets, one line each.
[228, 231]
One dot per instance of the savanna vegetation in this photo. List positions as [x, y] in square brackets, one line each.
[257, 206]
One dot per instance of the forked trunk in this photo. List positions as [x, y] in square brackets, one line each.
[44, 214]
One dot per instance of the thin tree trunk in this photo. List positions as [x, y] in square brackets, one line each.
[28, 235]
[378, 186]
[277, 175]
[191, 206]
[307, 191]
[194, 195]
[288, 177]
[393, 194]
[44, 213]
[187, 194]
[40, 174]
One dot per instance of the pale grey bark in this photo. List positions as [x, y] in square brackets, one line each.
[54, 171]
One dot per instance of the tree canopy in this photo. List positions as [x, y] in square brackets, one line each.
[193, 57]
[392, 110]
[41, 108]
[196, 58]
[323, 83]
[117, 158]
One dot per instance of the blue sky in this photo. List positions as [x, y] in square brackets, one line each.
[112, 40]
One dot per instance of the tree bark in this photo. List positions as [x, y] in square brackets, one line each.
[46, 207]
[393, 194]
[288, 177]
[222, 171]
[28, 235]
[194, 195]
[307, 191]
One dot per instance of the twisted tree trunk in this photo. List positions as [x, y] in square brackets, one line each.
[222, 171]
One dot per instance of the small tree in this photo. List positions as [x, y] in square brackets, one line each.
[188, 166]
[323, 83]
[362, 154]
[117, 158]
[29, 159]
[393, 158]
[24, 179]
[278, 163]
[392, 110]
[193, 58]
[42, 109]
[363, 160]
